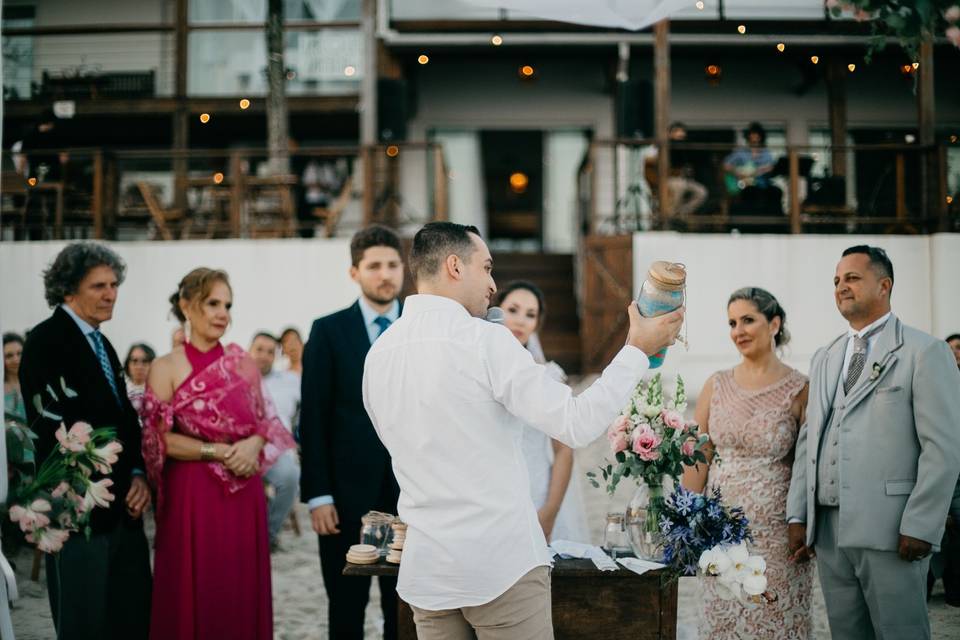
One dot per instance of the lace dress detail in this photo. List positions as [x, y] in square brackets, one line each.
[755, 433]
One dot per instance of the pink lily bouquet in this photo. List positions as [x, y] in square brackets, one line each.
[650, 439]
[58, 501]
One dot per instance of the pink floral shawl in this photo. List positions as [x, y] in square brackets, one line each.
[222, 403]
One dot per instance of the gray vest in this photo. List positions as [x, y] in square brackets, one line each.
[828, 462]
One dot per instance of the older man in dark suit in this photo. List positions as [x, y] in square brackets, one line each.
[99, 587]
[346, 470]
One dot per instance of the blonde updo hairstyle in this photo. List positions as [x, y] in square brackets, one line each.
[195, 288]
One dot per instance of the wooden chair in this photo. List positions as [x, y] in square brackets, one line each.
[331, 215]
[163, 217]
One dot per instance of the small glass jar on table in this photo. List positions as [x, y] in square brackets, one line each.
[615, 540]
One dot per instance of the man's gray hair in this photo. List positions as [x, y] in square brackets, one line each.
[63, 276]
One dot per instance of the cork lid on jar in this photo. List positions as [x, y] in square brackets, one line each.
[668, 275]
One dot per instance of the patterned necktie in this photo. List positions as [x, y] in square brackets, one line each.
[383, 322]
[859, 358]
[105, 362]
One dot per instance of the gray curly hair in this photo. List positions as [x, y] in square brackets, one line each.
[72, 264]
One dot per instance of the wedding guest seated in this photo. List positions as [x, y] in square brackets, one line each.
[283, 389]
[753, 414]
[12, 398]
[136, 367]
[686, 194]
[549, 461]
[748, 172]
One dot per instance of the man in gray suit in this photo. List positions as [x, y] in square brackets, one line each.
[876, 461]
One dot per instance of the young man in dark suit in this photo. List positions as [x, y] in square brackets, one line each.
[346, 470]
[99, 588]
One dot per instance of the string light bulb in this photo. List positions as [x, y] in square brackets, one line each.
[244, 103]
[852, 67]
[815, 59]
[496, 40]
[700, 5]
[781, 47]
[393, 151]
[217, 178]
[526, 71]
[519, 182]
[742, 29]
[423, 58]
[204, 118]
[349, 71]
[916, 65]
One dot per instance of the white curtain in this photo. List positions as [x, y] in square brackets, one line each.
[461, 151]
[563, 153]
[624, 14]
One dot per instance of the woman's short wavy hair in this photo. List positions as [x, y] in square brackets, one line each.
[62, 278]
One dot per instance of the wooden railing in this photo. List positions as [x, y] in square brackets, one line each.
[166, 195]
[885, 188]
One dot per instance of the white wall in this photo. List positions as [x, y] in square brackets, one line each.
[276, 283]
[799, 271]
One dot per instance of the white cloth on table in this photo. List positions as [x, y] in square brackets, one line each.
[570, 549]
[283, 388]
[639, 566]
[448, 394]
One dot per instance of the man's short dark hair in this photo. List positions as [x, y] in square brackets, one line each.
[437, 240]
[376, 235]
[878, 260]
[264, 334]
[72, 264]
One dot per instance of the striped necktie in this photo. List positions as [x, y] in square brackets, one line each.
[105, 362]
[859, 358]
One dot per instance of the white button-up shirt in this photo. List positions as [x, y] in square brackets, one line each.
[448, 395]
[284, 389]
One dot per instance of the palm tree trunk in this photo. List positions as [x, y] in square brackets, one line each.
[276, 97]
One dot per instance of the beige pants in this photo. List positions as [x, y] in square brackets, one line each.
[521, 612]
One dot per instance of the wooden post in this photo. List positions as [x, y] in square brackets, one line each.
[368, 102]
[927, 123]
[795, 223]
[661, 65]
[237, 192]
[837, 99]
[180, 122]
[942, 208]
[97, 196]
[440, 196]
[901, 191]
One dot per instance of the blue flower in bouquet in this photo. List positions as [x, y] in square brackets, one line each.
[683, 502]
[714, 511]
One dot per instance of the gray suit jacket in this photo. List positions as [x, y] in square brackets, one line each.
[899, 440]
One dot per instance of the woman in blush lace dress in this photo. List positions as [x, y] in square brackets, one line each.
[753, 414]
[208, 436]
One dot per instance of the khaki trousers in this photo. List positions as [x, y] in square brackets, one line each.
[522, 612]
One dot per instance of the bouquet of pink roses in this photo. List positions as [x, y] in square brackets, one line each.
[59, 499]
[650, 439]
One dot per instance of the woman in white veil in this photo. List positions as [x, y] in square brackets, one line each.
[550, 465]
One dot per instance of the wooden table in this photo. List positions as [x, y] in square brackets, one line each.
[587, 603]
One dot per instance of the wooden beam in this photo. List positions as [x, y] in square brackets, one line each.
[795, 223]
[661, 66]
[96, 204]
[837, 104]
[926, 116]
[168, 105]
[179, 122]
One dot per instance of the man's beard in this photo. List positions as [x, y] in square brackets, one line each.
[374, 295]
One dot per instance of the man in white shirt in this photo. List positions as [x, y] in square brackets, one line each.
[448, 394]
[283, 389]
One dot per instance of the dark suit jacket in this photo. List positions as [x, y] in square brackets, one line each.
[56, 348]
[341, 453]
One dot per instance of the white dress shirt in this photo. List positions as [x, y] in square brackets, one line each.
[448, 394]
[871, 342]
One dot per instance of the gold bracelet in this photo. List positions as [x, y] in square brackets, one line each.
[208, 451]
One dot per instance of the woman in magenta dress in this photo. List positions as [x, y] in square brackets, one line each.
[208, 436]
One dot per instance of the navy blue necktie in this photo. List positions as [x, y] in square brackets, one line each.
[383, 322]
[105, 362]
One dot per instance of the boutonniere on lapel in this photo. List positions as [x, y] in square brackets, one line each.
[877, 370]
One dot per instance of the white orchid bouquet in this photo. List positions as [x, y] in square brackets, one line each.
[739, 575]
[651, 440]
[58, 500]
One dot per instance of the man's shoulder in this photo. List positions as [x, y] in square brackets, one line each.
[337, 317]
[917, 339]
[50, 329]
